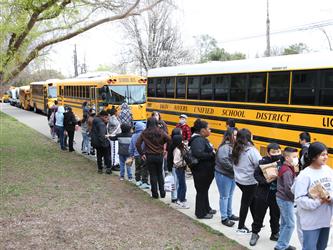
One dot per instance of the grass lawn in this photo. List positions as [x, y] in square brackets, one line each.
[52, 199]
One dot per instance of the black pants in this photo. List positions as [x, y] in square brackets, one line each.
[203, 177]
[141, 172]
[154, 164]
[103, 153]
[70, 140]
[262, 203]
[247, 201]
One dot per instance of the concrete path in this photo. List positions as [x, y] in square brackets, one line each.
[39, 123]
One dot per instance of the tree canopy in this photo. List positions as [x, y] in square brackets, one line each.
[29, 27]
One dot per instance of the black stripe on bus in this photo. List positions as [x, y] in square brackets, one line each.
[246, 106]
[255, 123]
[259, 138]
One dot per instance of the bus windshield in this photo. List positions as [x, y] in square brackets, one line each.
[131, 94]
[136, 94]
[52, 92]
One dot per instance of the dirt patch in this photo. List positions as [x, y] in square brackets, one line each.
[56, 200]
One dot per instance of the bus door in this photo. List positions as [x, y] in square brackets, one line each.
[93, 98]
[45, 99]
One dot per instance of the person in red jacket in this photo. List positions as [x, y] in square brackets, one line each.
[186, 130]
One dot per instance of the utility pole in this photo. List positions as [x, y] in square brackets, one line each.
[75, 62]
[268, 40]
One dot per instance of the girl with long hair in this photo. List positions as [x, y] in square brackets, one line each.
[154, 139]
[246, 159]
[315, 213]
[224, 176]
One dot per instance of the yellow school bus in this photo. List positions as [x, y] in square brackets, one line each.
[24, 96]
[104, 92]
[276, 98]
[42, 95]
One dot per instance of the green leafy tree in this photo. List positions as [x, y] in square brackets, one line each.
[209, 51]
[297, 48]
[29, 27]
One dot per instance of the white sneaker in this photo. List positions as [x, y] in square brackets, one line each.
[182, 205]
[138, 183]
[145, 186]
[243, 230]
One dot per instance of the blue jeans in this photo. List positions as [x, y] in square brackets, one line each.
[61, 135]
[226, 188]
[85, 143]
[181, 189]
[315, 239]
[122, 159]
[287, 223]
[174, 192]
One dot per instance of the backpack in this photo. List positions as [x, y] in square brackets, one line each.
[189, 158]
[52, 119]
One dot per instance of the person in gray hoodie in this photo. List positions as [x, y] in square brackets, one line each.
[224, 177]
[141, 171]
[246, 159]
[59, 124]
[315, 214]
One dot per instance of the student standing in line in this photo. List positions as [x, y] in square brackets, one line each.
[124, 141]
[203, 171]
[154, 140]
[266, 195]
[100, 142]
[186, 130]
[315, 214]
[69, 124]
[91, 118]
[246, 159]
[304, 141]
[126, 116]
[84, 132]
[224, 177]
[141, 172]
[285, 198]
[60, 126]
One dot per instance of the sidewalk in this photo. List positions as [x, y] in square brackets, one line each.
[39, 123]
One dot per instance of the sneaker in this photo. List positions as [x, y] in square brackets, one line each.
[138, 183]
[274, 237]
[130, 179]
[108, 171]
[85, 153]
[121, 178]
[243, 230]
[145, 186]
[234, 218]
[182, 205]
[174, 201]
[254, 239]
[100, 171]
[227, 222]
[207, 216]
[291, 248]
[212, 211]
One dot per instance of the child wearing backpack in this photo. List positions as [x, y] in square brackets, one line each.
[178, 149]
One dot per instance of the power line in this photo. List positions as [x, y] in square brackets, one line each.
[308, 26]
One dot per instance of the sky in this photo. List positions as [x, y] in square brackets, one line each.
[229, 22]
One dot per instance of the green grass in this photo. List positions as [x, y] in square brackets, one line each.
[33, 166]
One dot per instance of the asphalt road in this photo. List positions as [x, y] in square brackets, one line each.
[39, 123]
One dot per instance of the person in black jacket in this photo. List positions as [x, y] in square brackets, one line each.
[266, 196]
[69, 124]
[100, 142]
[203, 172]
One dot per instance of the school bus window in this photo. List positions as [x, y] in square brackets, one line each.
[206, 91]
[180, 88]
[278, 87]
[160, 87]
[170, 87]
[222, 87]
[152, 87]
[81, 92]
[326, 92]
[257, 87]
[193, 87]
[88, 91]
[304, 87]
[237, 88]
